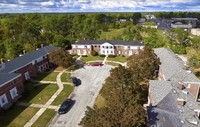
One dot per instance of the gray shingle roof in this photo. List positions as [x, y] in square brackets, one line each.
[173, 67]
[165, 114]
[159, 90]
[7, 77]
[25, 59]
[165, 108]
[119, 42]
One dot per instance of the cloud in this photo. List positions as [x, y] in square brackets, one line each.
[7, 6]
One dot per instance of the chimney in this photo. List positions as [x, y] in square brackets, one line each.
[181, 102]
[24, 51]
[2, 60]
[42, 45]
[180, 86]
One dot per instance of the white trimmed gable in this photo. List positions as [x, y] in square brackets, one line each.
[106, 44]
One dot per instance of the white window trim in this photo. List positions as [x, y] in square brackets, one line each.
[6, 100]
[15, 91]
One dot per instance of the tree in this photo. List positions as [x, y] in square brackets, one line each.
[136, 17]
[61, 57]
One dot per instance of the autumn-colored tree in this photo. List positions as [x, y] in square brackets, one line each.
[61, 57]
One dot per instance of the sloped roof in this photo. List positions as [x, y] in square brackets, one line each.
[7, 77]
[113, 42]
[18, 62]
[159, 90]
[165, 114]
[173, 67]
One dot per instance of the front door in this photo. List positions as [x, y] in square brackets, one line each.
[27, 76]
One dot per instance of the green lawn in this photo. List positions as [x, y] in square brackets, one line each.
[46, 76]
[92, 58]
[111, 34]
[45, 118]
[68, 89]
[39, 94]
[17, 116]
[118, 59]
[100, 101]
[65, 77]
[113, 64]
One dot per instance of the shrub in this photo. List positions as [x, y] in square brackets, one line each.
[94, 53]
[84, 56]
[112, 56]
[102, 55]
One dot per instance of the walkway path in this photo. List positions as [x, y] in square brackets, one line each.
[104, 61]
[79, 58]
[38, 105]
[48, 103]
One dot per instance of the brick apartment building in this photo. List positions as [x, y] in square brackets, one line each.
[173, 99]
[14, 73]
[107, 47]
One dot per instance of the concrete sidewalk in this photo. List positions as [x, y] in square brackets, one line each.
[38, 105]
[39, 113]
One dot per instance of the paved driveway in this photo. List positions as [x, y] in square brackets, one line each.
[92, 79]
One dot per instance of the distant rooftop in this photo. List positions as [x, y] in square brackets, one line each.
[113, 42]
[184, 19]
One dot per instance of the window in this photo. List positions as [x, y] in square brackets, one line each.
[103, 51]
[107, 51]
[128, 47]
[3, 100]
[13, 92]
[107, 47]
[111, 52]
[111, 47]
[102, 46]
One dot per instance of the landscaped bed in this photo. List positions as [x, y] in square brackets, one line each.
[17, 116]
[45, 118]
[65, 77]
[118, 59]
[38, 93]
[68, 89]
[92, 58]
[46, 76]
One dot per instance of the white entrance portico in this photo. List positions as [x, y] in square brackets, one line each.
[107, 49]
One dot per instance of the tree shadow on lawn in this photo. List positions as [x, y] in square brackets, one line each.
[8, 116]
[31, 90]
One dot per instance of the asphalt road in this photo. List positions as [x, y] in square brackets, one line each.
[92, 79]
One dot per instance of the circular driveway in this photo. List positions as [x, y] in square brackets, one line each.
[92, 79]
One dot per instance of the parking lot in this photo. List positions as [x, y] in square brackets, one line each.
[92, 79]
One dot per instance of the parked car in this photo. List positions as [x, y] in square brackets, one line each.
[66, 106]
[76, 81]
[97, 64]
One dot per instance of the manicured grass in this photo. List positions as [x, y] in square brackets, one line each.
[17, 116]
[92, 58]
[113, 64]
[111, 34]
[39, 94]
[65, 77]
[59, 69]
[118, 59]
[46, 76]
[100, 101]
[68, 89]
[45, 118]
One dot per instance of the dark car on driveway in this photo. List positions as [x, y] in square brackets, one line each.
[66, 106]
[97, 64]
[76, 81]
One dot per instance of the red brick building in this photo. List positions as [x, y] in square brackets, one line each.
[107, 47]
[14, 73]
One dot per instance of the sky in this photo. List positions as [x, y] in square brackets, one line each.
[58, 6]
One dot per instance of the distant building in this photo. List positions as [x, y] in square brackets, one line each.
[172, 100]
[121, 20]
[14, 73]
[148, 17]
[107, 47]
[195, 31]
[185, 23]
